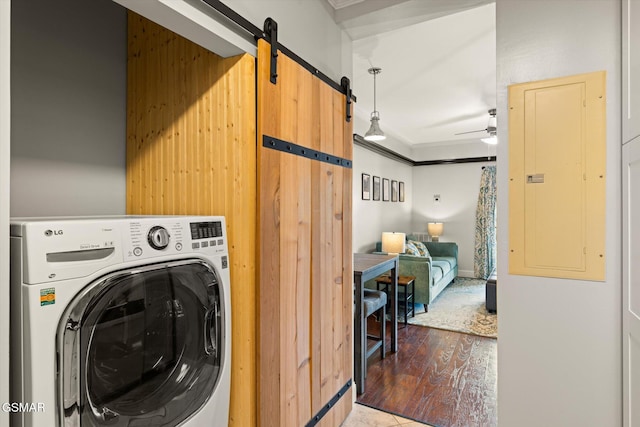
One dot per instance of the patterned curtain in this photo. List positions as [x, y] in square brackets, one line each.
[485, 251]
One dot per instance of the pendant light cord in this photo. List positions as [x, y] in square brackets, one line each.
[375, 71]
[374, 91]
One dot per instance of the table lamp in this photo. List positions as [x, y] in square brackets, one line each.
[435, 230]
[393, 243]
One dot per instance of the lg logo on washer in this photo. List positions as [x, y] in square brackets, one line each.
[50, 233]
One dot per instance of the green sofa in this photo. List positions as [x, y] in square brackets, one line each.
[433, 273]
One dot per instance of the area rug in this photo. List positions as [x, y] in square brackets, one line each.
[460, 307]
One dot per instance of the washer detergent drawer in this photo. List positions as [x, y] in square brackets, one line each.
[142, 347]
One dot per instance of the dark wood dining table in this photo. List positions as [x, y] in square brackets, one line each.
[367, 267]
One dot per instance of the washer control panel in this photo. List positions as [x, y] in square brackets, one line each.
[156, 237]
[63, 248]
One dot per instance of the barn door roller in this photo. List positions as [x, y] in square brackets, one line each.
[271, 32]
[345, 83]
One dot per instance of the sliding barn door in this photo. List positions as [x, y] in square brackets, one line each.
[191, 151]
[305, 290]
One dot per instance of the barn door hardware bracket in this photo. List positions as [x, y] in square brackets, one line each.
[271, 31]
[343, 391]
[309, 153]
[346, 88]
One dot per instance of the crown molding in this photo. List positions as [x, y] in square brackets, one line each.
[390, 154]
[341, 4]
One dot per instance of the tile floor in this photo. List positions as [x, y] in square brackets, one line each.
[363, 416]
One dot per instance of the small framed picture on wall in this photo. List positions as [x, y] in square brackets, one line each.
[394, 191]
[401, 191]
[366, 186]
[376, 188]
[385, 190]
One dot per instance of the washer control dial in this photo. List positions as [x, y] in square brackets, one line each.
[158, 237]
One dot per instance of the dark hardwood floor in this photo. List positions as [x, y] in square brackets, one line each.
[442, 378]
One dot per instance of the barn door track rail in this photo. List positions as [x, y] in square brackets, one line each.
[270, 34]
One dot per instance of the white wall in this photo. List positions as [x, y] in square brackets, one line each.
[458, 186]
[371, 218]
[68, 84]
[560, 340]
[5, 155]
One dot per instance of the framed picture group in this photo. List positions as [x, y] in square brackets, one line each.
[382, 189]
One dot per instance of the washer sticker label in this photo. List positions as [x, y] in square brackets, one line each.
[47, 296]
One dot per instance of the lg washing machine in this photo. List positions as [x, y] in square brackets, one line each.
[120, 321]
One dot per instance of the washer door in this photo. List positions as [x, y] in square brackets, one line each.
[142, 347]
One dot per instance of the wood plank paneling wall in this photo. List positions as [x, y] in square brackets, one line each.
[305, 262]
[191, 150]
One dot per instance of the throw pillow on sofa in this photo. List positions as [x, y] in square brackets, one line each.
[421, 247]
[410, 249]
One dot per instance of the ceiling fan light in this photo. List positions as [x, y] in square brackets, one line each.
[375, 133]
[492, 139]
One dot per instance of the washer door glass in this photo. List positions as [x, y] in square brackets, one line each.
[146, 346]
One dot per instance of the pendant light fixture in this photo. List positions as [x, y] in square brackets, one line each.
[374, 133]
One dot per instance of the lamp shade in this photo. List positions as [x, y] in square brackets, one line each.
[393, 243]
[375, 133]
[435, 230]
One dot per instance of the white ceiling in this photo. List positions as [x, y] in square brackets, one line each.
[438, 60]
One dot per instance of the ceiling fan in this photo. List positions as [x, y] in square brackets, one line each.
[491, 129]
